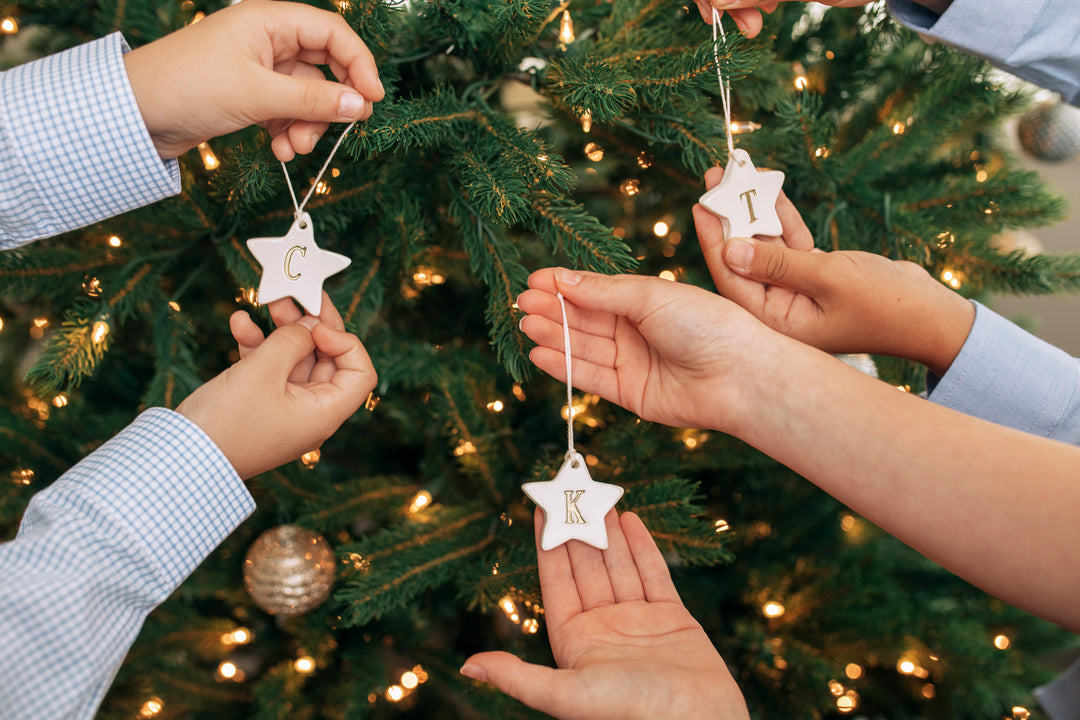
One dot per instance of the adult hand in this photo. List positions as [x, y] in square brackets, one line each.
[253, 63]
[625, 645]
[666, 351]
[840, 301]
[287, 394]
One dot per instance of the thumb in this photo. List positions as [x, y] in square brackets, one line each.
[539, 687]
[300, 98]
[776, 264]
[282, 351]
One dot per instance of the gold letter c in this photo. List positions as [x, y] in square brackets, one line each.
[288, 259]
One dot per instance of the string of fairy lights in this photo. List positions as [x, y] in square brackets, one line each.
[526, 613]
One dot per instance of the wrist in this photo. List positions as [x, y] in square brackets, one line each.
[948, 324]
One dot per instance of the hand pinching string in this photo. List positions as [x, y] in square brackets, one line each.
[574, 504]
[293, 265]
[745, 199]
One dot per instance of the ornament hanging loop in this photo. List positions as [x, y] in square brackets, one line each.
[725, 89]
[571, 454]
[299, 207]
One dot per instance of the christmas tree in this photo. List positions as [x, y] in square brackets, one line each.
[519, 134]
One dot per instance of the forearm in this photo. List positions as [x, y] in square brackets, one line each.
[953, 487]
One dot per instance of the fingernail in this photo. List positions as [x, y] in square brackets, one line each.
[567, 277]
[351, 105]
[309, 321]
[474, 672]
[521, 322]
[739, 254]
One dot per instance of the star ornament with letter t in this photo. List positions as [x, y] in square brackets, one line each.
[574, 505]
[745, 199]
[294, 266]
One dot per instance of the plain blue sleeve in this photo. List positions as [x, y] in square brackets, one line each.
[98, 550]
[74, 149]
[1037, 40]
[1010, 377]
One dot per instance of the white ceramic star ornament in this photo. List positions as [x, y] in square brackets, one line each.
[574, 504]
[294, 266]
[745, 199]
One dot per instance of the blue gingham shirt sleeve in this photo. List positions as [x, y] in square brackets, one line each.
[74, 149]
[97, 551]
[1038, 40]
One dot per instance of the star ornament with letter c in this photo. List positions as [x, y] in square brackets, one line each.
[294, 266]
[574, 505]
[745, 199]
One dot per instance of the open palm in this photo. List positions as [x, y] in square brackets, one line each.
[625, 645]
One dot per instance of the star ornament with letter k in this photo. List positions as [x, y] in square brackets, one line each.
[574, 505]
[745, 199]
[294, 266]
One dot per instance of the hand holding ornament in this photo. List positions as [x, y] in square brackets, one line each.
[253, 62]
[840, 301]
[624, 643]
[288, 393]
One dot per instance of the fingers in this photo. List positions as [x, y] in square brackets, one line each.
[557, 586]
[330, 315]
[355, 377]
[247, 334]
[321, 37]
[590, 575]
[583, 346]
[796, 235]
[775, 264]
[653, 571]
[284, 312]
[621, 569]
[282, 351]
[323, 101]
[543, 688]
[590, 378]
[628, 295]
[748, 20]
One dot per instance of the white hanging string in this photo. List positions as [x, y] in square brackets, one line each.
[300, 207]
[725, 90]
[570, 451]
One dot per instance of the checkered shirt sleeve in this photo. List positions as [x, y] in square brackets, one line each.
[73, 146]
[98, 550]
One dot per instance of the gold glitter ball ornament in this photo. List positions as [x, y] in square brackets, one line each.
[289, 570]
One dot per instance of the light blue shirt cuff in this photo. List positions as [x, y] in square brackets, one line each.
[1010, 377]
[74, 149]
[1038, 41]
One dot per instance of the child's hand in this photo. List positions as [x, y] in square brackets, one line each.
[288, 393]
[666, 351]
[838, 301]
[253, 62]
[625, 645]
